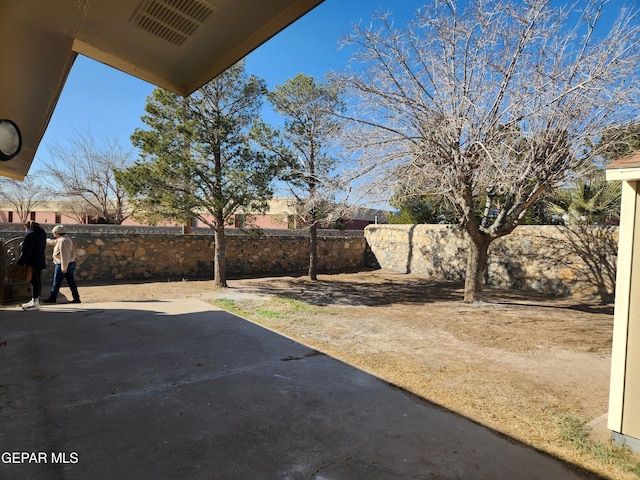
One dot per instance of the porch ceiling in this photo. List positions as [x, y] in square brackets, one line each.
[176, 44]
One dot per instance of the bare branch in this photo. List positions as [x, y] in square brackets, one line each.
[24, 196]
[83, 170]
[505, 96]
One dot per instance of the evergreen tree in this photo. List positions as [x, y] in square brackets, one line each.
[618, 142]
[419, 208]
[302, 148]
[196, 160]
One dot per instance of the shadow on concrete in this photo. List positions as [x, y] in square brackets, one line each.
[181, 390]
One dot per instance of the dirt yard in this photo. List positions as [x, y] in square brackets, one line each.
[519, 364]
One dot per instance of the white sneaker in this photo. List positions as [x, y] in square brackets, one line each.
[28, 304]
[33, 306]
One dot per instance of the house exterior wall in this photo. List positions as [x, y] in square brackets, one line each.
[624, 392]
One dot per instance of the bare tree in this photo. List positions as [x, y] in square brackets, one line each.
[83, 170]
[489, 105]
[23, 196]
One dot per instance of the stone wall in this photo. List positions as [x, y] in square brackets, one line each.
[108, 254]
[538, 258]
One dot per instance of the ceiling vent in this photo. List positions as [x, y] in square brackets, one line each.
[174, 21]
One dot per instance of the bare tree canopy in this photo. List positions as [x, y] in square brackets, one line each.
[489, 104]
[84, 170]
[23, 196]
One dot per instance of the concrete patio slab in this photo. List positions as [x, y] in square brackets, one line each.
[178, 389]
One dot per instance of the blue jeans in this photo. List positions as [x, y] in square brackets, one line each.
[58, 276]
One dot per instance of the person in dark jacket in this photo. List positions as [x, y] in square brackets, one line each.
[33, 255]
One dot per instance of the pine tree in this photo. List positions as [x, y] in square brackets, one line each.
[302, 145]
[196, 160]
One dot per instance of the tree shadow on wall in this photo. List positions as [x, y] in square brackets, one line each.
[596, 247]
[514, 275]
[441, 265]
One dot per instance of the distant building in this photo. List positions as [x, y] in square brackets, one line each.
[47, 212]
[281, 215]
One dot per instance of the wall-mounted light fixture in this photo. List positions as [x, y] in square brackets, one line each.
[10, 140]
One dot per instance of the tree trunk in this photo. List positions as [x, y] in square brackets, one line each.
[313, 251]
[476, 266]
[219, 263]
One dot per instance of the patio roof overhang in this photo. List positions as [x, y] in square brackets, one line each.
[625, 168]
[176, 44]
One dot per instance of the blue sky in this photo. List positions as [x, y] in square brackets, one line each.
[108, 104]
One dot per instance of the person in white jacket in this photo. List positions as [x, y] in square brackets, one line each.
[64, 260]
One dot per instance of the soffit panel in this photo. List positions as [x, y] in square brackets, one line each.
[41, 38]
